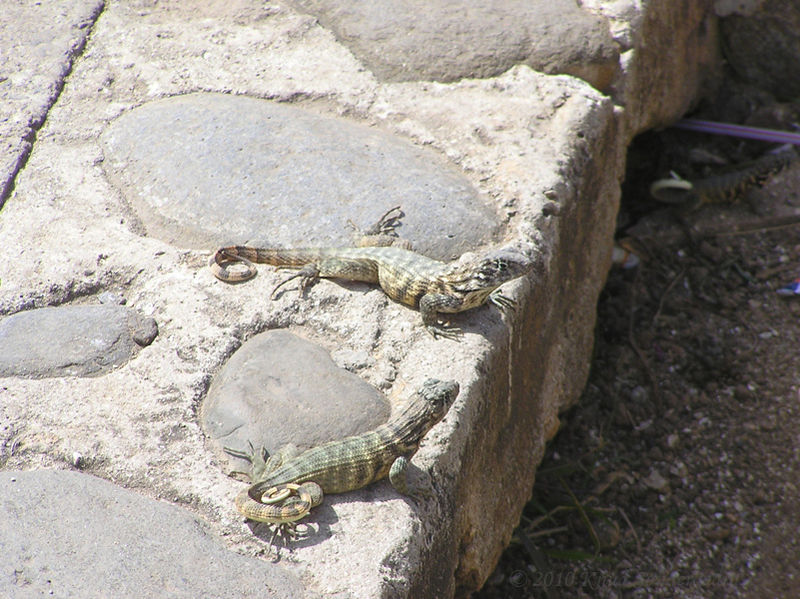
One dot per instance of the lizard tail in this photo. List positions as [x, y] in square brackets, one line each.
[271, 508]
[226, 256]
[248, 257]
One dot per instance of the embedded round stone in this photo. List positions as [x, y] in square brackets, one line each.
[204, 170]
[69, 534]
[448, 41]
[279, 389]
[71, 340]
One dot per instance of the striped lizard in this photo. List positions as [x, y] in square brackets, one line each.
[429, 285]
[343, 465]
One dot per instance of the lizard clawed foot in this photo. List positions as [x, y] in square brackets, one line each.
[285, 532]
[505, 303]
[383, 233]
[250, 456]
[445, 331]
[260, 461]
[386, 224]
[308, 275]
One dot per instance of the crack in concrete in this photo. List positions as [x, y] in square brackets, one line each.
[37, 121]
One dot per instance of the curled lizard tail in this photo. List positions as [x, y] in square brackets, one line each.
[277, 505]
[248, 257]
[238, 254]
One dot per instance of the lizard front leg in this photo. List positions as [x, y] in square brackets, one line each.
[430, 305]
[505, 303]
[398, 477]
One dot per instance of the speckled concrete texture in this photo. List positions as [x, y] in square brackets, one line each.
[508, 156]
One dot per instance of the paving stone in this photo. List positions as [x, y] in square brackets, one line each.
[69, 534]
[38, 41]
[279, 389]
[238, 169]
[447, 41]
[71, 340]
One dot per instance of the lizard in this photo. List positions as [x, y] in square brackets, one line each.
[429, 285]
[725, 187]
[343, 465]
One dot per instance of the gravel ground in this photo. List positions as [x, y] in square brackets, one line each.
[677, 472]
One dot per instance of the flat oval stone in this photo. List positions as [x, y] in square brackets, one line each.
[71, 340]
[69, 534]
[279, 389]
[204, 170]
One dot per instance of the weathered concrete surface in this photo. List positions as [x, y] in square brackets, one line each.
[547, 150]
[664, 75]
[447, 41]
[71, 340]
[38, 41]
[273, 162]
[278, 389]
[68, 534]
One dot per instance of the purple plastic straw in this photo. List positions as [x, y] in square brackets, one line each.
[773, 135]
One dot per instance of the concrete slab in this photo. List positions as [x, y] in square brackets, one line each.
[546, 150]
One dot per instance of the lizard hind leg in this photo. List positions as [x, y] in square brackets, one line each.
[261, 462]
[383, 233]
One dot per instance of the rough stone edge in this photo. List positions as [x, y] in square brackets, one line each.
[533, 373]
[548, 376]
[646, 76]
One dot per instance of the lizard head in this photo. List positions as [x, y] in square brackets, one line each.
[478, 276]
[420, 413]
[499, 266]
[438, 396]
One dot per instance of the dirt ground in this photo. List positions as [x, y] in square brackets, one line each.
[677, 473]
